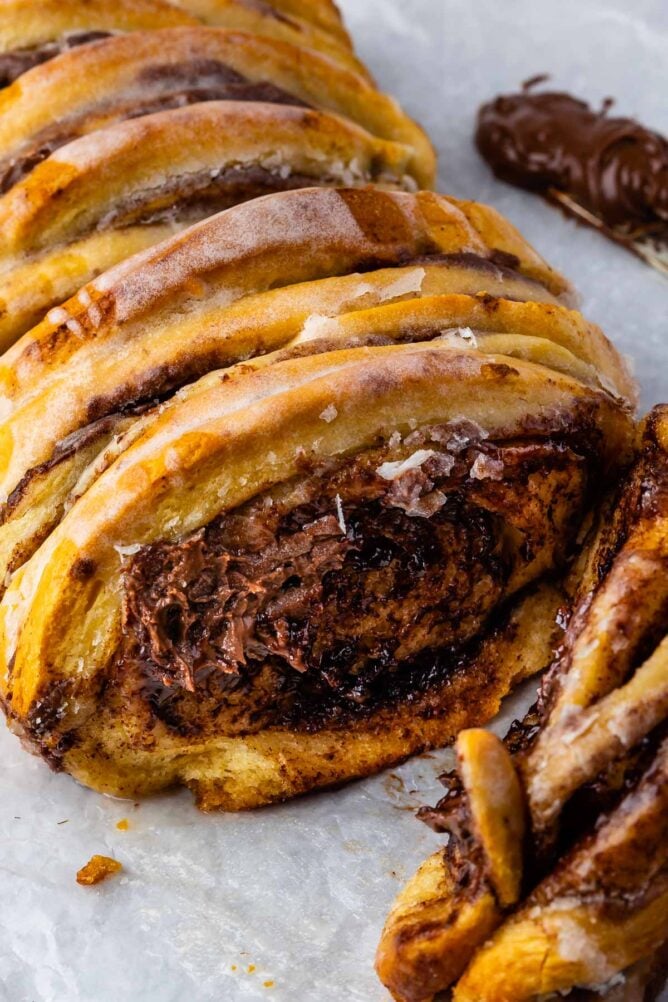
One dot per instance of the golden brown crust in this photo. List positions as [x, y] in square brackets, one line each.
[25, 26]
[609, 689]
[324, 14]
[94, 85]
[187, 288]
[604, 909]
[93, 198]
[457, 898]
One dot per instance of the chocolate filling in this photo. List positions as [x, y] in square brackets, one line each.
[613, 167]
[162, 87]
[14, 64]
[197, 195]
[340, 592]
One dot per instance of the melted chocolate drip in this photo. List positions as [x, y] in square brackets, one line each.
[613, 167]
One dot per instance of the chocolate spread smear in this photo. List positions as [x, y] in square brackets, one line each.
[329, 592]
[613, 167]
[14, 64]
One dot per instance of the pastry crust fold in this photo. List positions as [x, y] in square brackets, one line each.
[95, 85]
[110, 351]
[32, 33]
[96, 201]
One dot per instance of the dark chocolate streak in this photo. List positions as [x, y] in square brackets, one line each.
[164, 87]
[614, 167]
[14, 64]
[196, 195]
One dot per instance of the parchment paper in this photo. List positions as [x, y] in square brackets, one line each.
[287, 903]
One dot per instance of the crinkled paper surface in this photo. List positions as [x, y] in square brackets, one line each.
[287, 904]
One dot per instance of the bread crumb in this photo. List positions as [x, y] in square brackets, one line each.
[123, 825]
[268, 984]
[251, 968]
[97, 869]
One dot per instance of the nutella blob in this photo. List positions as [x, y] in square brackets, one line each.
[550, 141]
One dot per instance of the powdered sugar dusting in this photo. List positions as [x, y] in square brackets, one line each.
[317, 326]
[240, 240]
[459, 337]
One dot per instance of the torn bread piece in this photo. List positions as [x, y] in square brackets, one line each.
[592, 758]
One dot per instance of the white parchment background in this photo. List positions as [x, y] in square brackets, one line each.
[299, 892]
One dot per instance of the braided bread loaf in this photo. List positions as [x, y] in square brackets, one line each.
[113, 136]
[372, 497]
[290, 483]
[591, 764]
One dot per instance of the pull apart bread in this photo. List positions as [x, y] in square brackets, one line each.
[554, 881]
[288, 496]
[112, 144]
[34, 31]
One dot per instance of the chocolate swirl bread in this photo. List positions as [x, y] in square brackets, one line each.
[338, 544]
[35, 32]
[292, 485]
[113, 136]
[579, 904]
[107, 195]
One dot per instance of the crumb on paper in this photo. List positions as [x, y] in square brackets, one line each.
[268, 984]
[233, 967]
[97, 869]
[123, 825]
[251, 968]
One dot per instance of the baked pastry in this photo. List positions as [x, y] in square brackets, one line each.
[108, 146]
[107, 195]
[125, 76]
[251, 281]
[592, 762]
[375, 503]
[32, 33]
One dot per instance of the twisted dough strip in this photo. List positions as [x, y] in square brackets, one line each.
[32, 33]
[602, 703]
[324, 14]
[604, 908]
[456, 899]
[210, 443]
[134, 350]
[190, 284]
[94, 85]
[101, 198]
